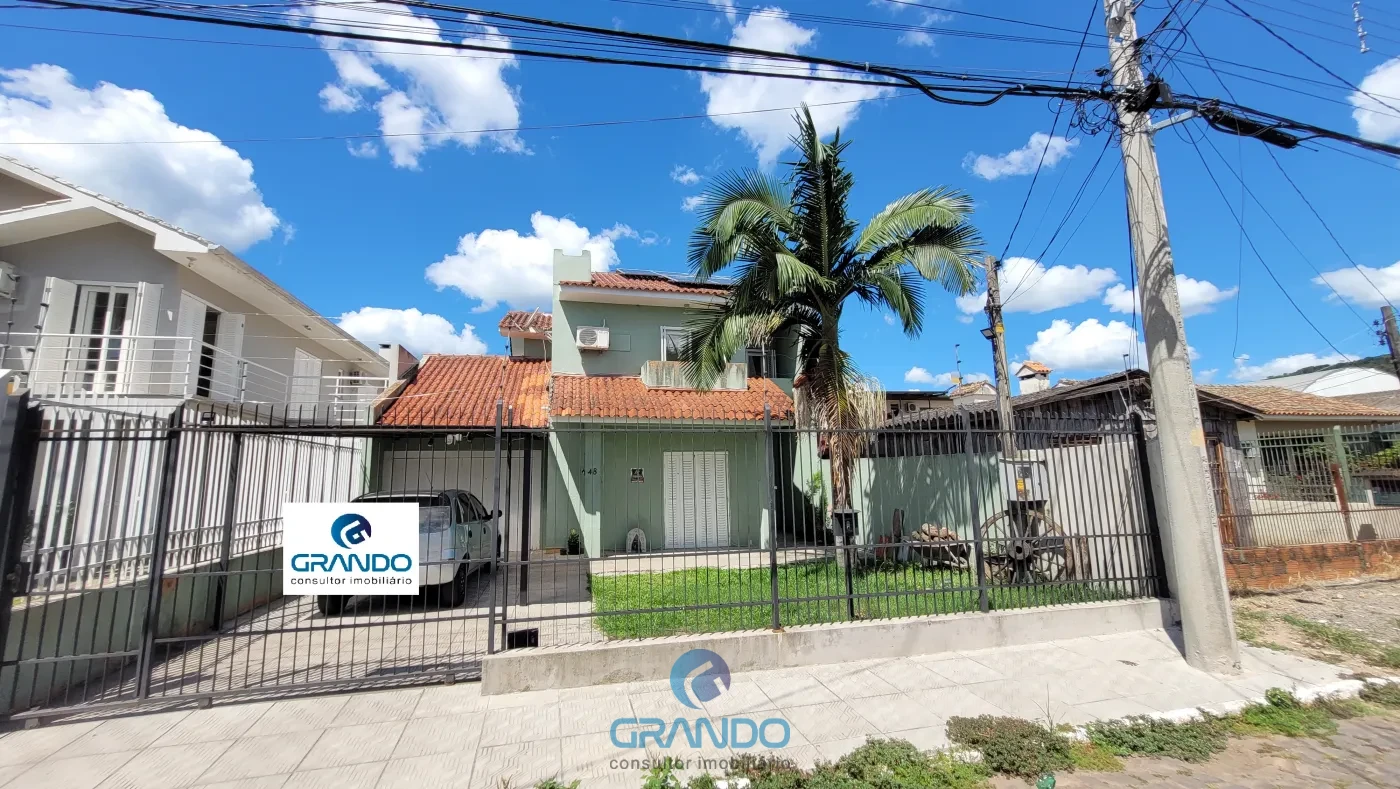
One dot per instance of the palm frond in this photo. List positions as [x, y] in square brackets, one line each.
[912, 213]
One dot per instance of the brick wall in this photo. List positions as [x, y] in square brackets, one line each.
[1264, 569]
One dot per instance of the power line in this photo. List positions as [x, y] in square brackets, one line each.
[1306, 56]
[501, 130]
[1049, 141]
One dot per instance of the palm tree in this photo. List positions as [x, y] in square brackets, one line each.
[797, 257]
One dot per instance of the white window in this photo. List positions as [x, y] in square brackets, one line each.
[761, 363]
[105, 312]
[306, 377]
[673, 340]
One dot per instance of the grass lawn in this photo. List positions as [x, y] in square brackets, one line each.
[742, 598]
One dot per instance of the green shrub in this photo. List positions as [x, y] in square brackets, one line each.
[1282, 713]
[1011, 745]
[879, 764]
[1386, 657]
[702, 781]
[574, 546]
[1195, 741]
[663, 775]
[1385, 695]
[1090, 757]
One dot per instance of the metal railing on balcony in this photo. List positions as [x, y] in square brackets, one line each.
[673, 375]
[111, 368]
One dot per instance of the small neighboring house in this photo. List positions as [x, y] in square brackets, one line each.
[908, 402]
[112, 306]
[972, 392]
[614, 441]
[1336, 382]
[1032, 377]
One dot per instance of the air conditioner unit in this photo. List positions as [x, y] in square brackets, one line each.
[8, 280]
[592, 338]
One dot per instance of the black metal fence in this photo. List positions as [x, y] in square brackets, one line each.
[150, 567]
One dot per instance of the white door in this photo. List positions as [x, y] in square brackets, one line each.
[306, 378]
[696, 491]
[106, 313]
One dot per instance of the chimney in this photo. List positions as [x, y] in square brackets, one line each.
[1033, 377]
[572, 268]
[398, 357]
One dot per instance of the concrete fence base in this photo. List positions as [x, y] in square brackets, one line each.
[649, 659]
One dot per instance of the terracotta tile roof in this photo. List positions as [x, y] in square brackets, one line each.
[1390, 401]
[1035, 367]
[969, 388]
[461, 391]
[626, 397]
[522, 321]
[653, 283]
[1277, 401]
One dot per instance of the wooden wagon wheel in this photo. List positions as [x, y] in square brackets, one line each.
[1037, 552]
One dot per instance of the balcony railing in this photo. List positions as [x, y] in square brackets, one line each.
[673, 375]
[109, 368]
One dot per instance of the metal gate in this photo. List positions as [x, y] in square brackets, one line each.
[147, 549]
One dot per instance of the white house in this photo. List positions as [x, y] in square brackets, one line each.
[1339, 382]
[108, 305]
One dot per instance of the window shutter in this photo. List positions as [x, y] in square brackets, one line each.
[52, 354]
[146, 351]
[227, 372]
[189, 324]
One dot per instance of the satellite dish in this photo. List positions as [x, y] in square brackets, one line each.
[636, 541]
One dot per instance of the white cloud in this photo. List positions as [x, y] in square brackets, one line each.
[427, 98]
[1089, 345]
[1369, 287]
[1196, 295]
[682, 174]
[919, 376]
[1207, 376]
[334, 98]
[964, 319]
[365, 149]
[497, 266]
[1375, 120]
[204, 187]
[727, 6]
[1283, 365]
[1028, 286]
[768, 132]
[692, 202]
[419, 332]
[1021, 161]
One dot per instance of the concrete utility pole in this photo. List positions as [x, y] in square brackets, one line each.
[997, 334]
[1392, 336]
[1186, 511]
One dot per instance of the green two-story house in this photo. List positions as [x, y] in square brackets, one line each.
[639, 455]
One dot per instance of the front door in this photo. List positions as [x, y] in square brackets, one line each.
[696, 490]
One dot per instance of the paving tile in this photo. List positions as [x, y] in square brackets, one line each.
[907, 675]
[269, 754]
[741, 698]
[450, 700]
[1141, 647]
[261, 782]
[299, 715]
[522, 764]
[520, 724]
[853, 684]
[1097, 684]
[820, 723]
[928, 738]
[962, 670]
[10, 771]
[353, 776]
[429, 772]
[378, 707]
[1032, 699]
[169, 767]
[31, 745]
[832, 750]
[898, 713]
[217, 723]
[530, 698]
[585, 716]
[441, 734]
[950, 702]
[130, 733]
[660, 704]
[368, 742]
[83, 772]
[793, 688]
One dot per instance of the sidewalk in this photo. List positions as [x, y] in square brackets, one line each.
[439, 736]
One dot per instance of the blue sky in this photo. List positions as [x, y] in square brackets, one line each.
[435, 233]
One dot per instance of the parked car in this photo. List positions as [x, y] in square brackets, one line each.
[454, 539]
